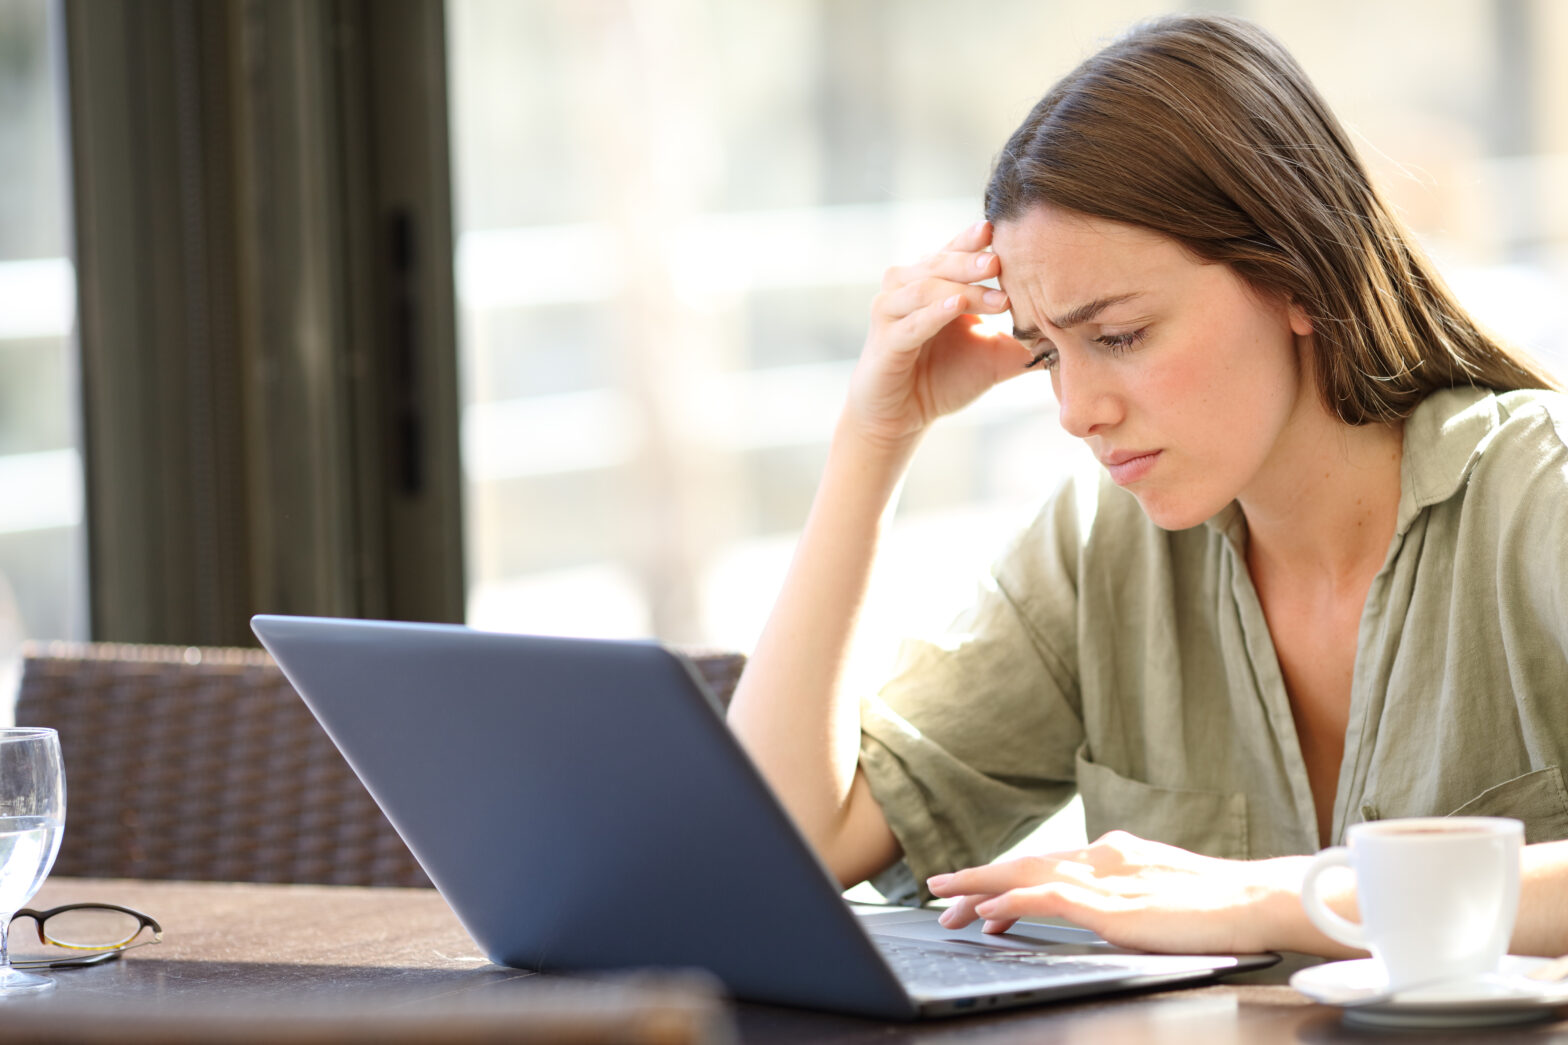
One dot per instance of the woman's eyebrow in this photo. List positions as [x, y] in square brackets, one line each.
[1087, 311]
[1074, 316]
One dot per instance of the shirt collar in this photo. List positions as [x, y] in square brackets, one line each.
[1444, 437]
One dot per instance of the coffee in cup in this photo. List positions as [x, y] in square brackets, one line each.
[1437, 895]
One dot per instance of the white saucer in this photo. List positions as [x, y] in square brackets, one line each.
[1508, 997]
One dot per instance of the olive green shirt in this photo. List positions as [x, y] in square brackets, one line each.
[1133, 666]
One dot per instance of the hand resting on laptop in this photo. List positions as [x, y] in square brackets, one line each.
[1145, 895]
[1156, 897]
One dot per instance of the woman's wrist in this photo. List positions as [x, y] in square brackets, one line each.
[872, 459]
[858, 435]
[1281, 922]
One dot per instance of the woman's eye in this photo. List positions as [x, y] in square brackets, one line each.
[1045, 359]
[1119, 343]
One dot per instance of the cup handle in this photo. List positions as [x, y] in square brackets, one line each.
[1335, 927]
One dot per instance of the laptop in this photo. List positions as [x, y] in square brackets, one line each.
[582, 805]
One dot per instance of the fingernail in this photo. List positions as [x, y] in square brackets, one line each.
[983, 260]
[946, 917]
[995, 298]
[937, 881]
[978, 227]
[986, 909]
[953, 301]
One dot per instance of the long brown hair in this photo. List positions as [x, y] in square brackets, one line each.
[1206, 130]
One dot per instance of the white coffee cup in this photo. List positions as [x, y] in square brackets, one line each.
[1438, 895]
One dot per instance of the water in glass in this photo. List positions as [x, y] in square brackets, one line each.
[32, 818]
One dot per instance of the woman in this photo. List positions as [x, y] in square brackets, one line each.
[1321, 581]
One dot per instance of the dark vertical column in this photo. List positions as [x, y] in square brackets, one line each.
[264, 266]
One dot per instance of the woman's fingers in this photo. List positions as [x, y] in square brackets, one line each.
[962, 912]
[1134, 893]
[1056, 899]
[1058, 885]
[948, 296]
[1048, 900]
[961, 267]
[974, 237]
[938, 277]
[912, 316]
[925, 356]
[992, 879]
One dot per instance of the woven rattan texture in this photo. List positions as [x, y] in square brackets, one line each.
[202, 764]
[720, 669]
[205, 764]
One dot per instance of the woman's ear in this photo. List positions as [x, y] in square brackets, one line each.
[1300, 322]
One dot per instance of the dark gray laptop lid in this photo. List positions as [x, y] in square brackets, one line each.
[581, 804]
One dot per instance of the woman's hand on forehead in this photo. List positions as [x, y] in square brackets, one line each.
[926, 354]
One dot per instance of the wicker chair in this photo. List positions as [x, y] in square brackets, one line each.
[205, 764]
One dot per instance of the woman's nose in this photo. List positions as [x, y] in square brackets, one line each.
[1086, 400]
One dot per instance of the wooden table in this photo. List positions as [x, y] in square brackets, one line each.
[253, 963]
[307, 964]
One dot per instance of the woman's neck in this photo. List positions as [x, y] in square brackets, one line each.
[1324, 508]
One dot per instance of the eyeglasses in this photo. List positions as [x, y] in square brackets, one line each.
[99, 932]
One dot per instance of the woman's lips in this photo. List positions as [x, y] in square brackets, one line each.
[1130, 467]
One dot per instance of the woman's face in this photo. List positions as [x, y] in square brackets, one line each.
[1182, 380]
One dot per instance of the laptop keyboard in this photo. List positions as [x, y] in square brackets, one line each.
[915, 963]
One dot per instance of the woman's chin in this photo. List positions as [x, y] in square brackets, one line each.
[1175, 513]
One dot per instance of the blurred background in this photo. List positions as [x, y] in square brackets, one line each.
[668, 220]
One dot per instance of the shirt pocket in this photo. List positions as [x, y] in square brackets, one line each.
[1538, 798]
[1213, 823]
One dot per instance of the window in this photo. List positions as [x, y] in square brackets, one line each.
[42, 592]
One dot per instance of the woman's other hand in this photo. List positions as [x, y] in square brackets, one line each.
[925, 356]
[1140, 894]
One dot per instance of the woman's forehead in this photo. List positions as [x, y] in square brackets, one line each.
[1056, 262]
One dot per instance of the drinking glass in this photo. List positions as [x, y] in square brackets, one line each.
[32, 816]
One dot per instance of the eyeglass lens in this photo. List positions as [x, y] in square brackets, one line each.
[93, 928]
[101, 930]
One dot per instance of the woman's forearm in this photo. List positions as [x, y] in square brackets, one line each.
[1284, 920]
[1542, 925]
[788, 711]
[925, 356]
